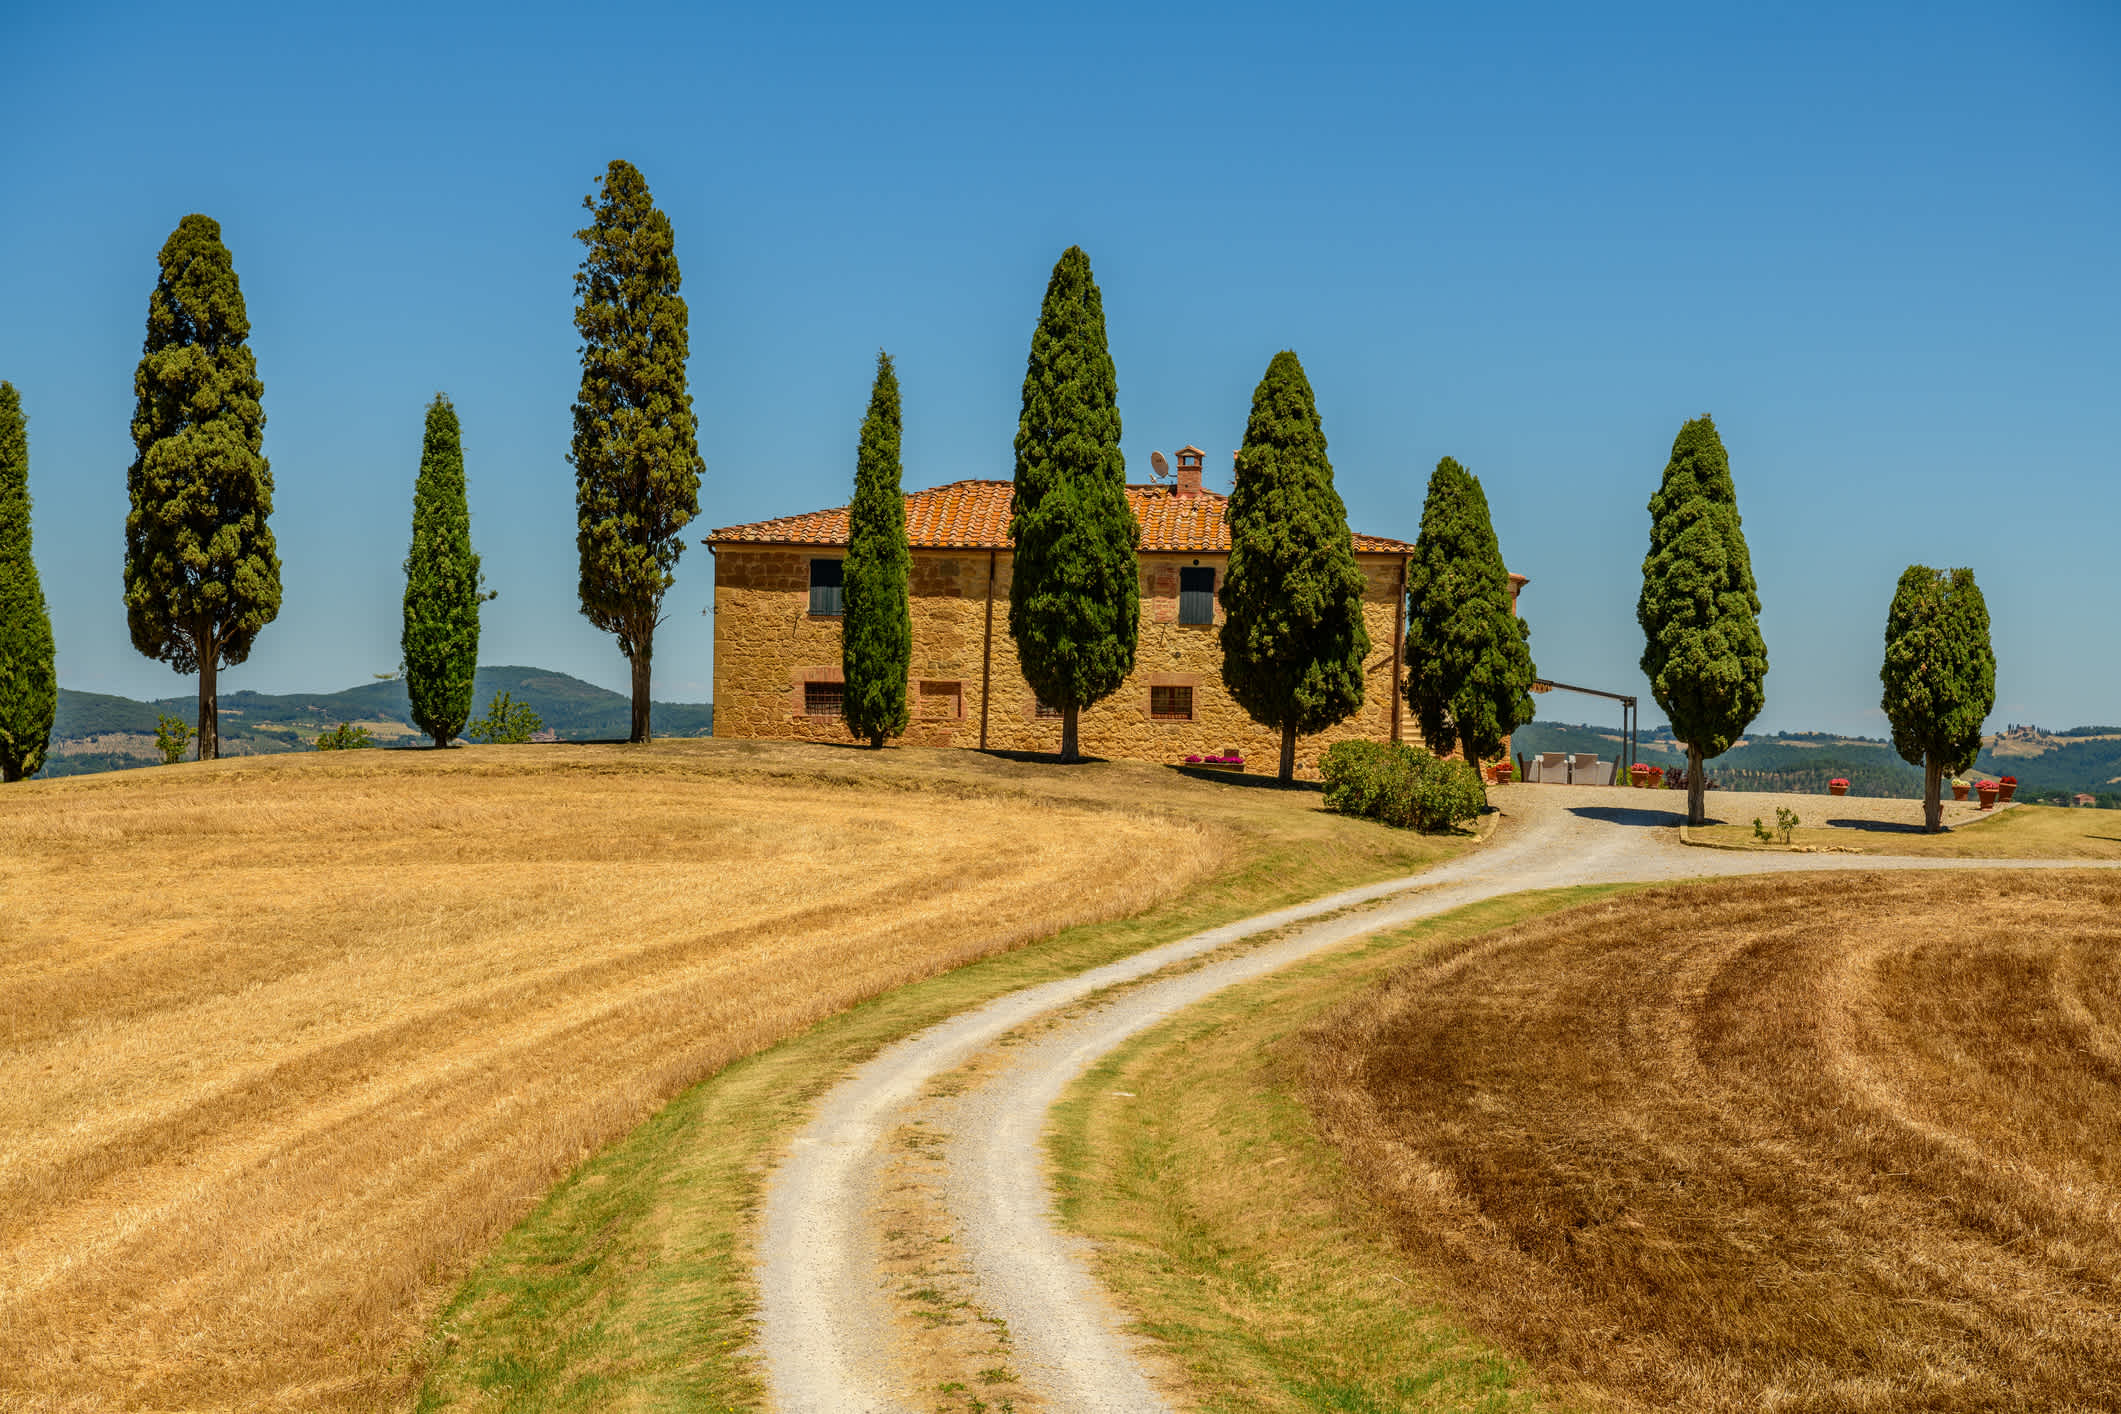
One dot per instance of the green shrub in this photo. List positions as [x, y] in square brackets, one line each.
[172, 736]
[345, 737]
[506, 722]
[1399, 785]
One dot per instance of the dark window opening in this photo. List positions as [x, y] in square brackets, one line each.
[1171, 704]
[1196, 596]
[825, 580]
[825, 699]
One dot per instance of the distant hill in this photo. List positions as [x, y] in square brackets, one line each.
[98, 732]
[2049, 766]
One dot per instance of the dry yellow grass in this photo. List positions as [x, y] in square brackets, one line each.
[286, 1042]
[1830, 1144]
[2019, 832]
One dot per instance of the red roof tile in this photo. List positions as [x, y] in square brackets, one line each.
[974, 515]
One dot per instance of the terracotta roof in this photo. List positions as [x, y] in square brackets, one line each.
[974, 515]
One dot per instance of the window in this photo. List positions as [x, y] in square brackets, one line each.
[825, 699]
[825, 578]
[1171, 704]
[1040, 708]
[942, 701]
[1196, 596]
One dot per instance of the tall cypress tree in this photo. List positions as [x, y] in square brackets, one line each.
[1699, 610]
[876, 629]
[1074, 586]
[29, 685]
[1939, 676]
[202, 576]
[636, 451]
[1293, 636]
[442, 588]
[1469, 664]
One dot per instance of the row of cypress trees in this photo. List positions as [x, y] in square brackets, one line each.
[1293, 636]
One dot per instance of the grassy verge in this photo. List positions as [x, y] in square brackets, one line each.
[2022, 832]
[1226, 1226]
[629, 1285]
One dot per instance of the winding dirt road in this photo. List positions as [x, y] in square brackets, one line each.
[837, 1335]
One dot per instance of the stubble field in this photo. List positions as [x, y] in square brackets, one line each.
[286, 1043]
[1824, 1144]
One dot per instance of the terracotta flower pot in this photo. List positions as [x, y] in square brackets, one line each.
[1989, 790]
[1837, 787]
[2010, 788]
[1958, 791]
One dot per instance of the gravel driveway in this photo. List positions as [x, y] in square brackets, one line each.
[832, 1335]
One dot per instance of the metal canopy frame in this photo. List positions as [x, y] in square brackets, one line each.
[1630, 716]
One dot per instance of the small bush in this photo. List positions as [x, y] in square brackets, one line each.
[507, 722]
[344, 737]
[1399, 785]
[172, 736]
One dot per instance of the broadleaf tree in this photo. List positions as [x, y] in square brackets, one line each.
[1939, 676]
[1075, 585]
[1468, 654]
[1699, 609]
[876, 624]
[1293, 636]
[443, 591]
[636, 450]
[29, 685]
[202, 575]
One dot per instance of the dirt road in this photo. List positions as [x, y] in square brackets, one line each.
[836, 1334]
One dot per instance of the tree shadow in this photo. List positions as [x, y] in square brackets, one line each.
[1038, 758]
[1640, 819]
[1882, 827]
[1244, 780]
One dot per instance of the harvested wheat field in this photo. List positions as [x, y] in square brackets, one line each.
[286, 1042]
[1846, 1143]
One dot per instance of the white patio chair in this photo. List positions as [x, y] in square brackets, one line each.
[1553, 768]
[1583, 768]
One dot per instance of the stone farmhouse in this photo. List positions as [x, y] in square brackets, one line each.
[777, 632]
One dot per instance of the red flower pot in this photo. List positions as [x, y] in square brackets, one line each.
[1989, 791]
[1837, 786]
[2010, 787]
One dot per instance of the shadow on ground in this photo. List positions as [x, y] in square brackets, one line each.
[1621, 815]
[1240, 778]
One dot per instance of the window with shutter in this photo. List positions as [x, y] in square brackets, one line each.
[825, 580]
[1196, 595]
[1171, 704]
[824, 699]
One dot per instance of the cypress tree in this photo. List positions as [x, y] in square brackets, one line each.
[1469, 663]
[442, 587]
[1699, 610]
[876, 627]
[29, 685]
[1939, 676]
[202, 576]
[1293, 636]
[1074, 586]
[636, 452]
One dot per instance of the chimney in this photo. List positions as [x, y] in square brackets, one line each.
[1189, 470]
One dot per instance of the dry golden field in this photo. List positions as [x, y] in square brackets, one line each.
[1822, 1144]
[285, 1043]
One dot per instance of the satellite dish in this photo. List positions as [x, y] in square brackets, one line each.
[1161, 465]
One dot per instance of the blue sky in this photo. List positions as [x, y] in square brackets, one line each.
[1876, 242]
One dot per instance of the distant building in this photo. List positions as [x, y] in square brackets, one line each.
[2086, 798]
[777, 632]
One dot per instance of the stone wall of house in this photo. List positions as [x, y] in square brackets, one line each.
[767, 645]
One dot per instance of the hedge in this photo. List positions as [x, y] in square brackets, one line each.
[1399, 785]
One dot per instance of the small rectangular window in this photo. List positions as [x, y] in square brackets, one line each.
[1171, 704]
[942, 701]
[825, 586]
[824, 699]
[1040, 708]
[1196, 595]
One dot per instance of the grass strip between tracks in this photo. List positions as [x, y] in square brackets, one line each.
[1230, 1229]
[629, 1286]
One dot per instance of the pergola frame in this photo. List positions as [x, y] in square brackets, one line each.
[1630, 717]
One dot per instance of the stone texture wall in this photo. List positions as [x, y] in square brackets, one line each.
[767, 645]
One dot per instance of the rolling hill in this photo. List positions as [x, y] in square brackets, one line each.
[98, 732]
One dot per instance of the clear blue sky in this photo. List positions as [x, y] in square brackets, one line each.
[1879, 244]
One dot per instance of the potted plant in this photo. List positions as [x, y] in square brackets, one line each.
[1988, 791]
[1643, 776]
[1959, 788]
[2010, 787]
[1838, 786]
